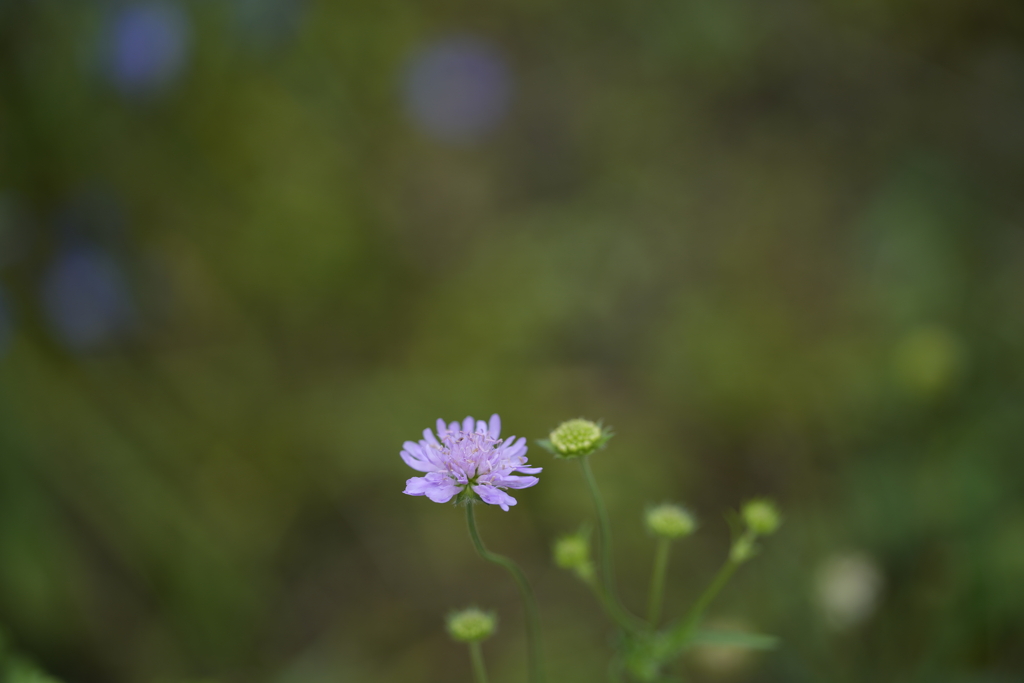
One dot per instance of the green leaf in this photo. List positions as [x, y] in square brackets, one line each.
[753, 641]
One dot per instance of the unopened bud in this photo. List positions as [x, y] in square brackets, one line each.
[576, 438]
[761, 516]
[471, 625]
[670, 521]
[573, 553]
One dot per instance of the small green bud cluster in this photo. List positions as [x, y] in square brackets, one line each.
[670, 521]
[761, 516]
[471, 625]
[572, 552]
[576, 438]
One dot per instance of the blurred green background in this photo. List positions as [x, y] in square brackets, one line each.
[248, 247]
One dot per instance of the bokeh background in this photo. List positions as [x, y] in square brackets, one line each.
[248, 247]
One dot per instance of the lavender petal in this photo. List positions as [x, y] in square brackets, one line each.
[493, 496]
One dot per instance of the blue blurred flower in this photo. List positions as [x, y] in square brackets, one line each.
[86, 298]
[457, 89]
[147, 46]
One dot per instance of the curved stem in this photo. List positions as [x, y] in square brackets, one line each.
[658, 581]
[618, 612]
[529, 602]
[476, 655]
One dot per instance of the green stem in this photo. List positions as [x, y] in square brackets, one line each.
[601, 596]
[680, 635]
[618, 612]
[658, 581]
[476, 655]
[529, 602]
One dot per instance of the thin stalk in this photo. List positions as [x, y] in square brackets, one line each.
[476, 655]
[618, 612]
[679, 635]
[602, 597]
[658, 581]
[529, 602]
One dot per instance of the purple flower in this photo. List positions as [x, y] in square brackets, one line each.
[464, 456]
[458, 89]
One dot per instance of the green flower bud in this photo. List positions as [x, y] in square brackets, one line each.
[761, 516]
[572, 552]
[742, 549]
[576, 438]
[471, 625]
[670, 521]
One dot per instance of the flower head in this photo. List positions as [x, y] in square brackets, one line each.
[471, 625]
[572, 552]
[670, 521]
[576, 438]
[468, 457]
[761, 516]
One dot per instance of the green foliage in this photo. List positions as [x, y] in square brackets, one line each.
[19, 671]
[753, 641]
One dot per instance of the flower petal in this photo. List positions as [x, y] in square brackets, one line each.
[481, 427]
[417, 486]
[528, 470]
[517, 448]
[417, 464]
[438, 489]
[413, 448]
[442, 493]
[494, 428]
[467, 424]
[429, 436]
[493, 496]
[516, 482]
